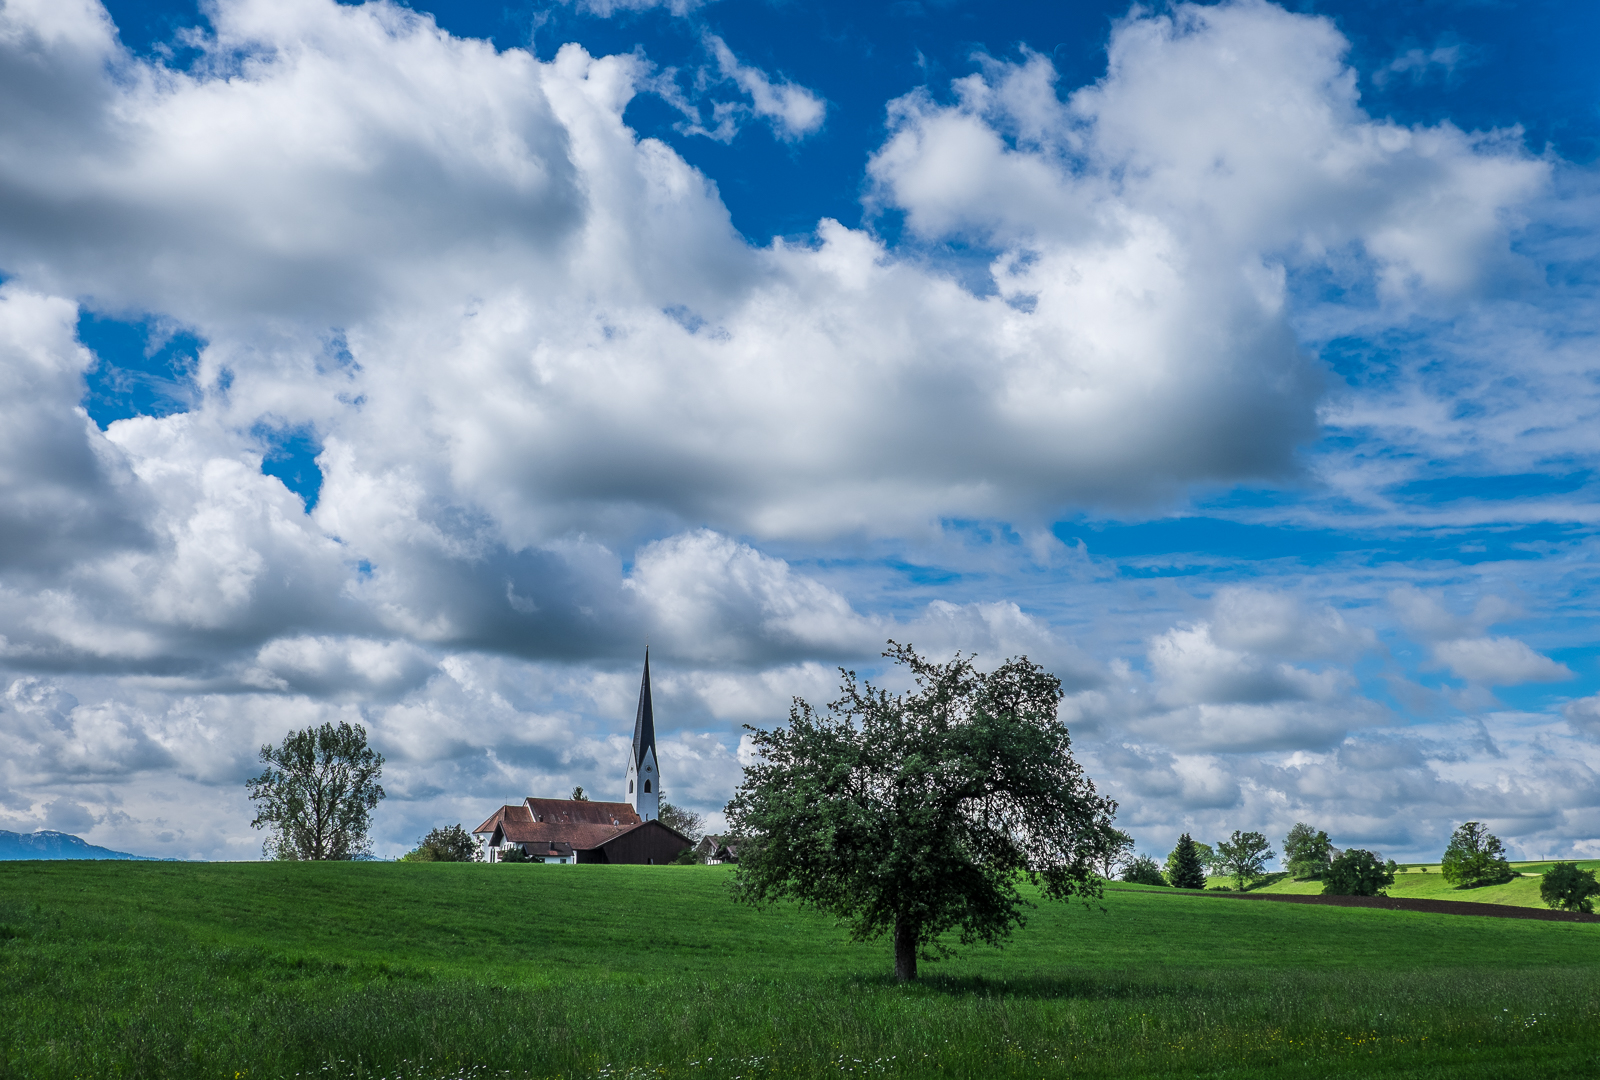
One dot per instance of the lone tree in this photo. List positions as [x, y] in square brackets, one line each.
[1307, 852]
[1184, 866]
[918, 813]
[1357, 873]
[445, 844]
[1568, 888]
[1475, 857]
[1244, 856]
[317, 793]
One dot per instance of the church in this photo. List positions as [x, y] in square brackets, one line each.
[582, 831]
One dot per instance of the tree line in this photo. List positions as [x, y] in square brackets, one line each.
[1474, 857]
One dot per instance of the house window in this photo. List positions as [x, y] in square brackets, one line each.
[630, 787]
[647, 787]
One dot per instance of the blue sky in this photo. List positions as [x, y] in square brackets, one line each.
[1237, 361]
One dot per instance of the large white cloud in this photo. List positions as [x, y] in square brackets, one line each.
[563, 406]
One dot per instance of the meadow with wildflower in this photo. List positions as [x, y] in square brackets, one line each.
[250, 971]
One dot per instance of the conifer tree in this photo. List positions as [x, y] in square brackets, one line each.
[1184, 869]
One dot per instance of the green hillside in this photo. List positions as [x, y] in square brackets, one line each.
[1415, 881]
[430, 970]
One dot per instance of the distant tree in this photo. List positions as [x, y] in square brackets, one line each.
[1119, 848]
[1568, 888]
[1357, 873]
[1475, 857]
[918, 813]
[687, 822]
[317, 793]
[445, 844]
[1185, 867]
[1143, 870]
[578, 795]
[1244, 856]
[1307, 852]
[514, 853]
[1209, 860]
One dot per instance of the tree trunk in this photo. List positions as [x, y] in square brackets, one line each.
[905, 951]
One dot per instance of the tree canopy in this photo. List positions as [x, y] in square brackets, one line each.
[1244, 856]
[1475, 857]
[1143, 870]
[687, 822]
[1566, 887]
[919, 813]
[1185, 867]
[1357, 873]
[450, 843]
[1307, 852]
[317, 793]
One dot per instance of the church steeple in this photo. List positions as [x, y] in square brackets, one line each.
[644, 770]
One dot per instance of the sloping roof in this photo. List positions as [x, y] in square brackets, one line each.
[582, 837]
[505, 813]
[644, 724]
[581, 812]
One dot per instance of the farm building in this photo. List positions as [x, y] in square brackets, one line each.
[582, 831]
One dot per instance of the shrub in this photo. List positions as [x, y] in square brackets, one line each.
[449, 843]
[513, 853]
[1142, 870]
[1568, 888]
[1475, 857]
[1357, 873]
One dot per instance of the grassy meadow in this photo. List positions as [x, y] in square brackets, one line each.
[259, 970]
[1424, 882]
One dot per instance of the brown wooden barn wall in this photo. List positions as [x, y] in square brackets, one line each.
[650, 842]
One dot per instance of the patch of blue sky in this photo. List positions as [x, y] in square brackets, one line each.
[290, 454]
[143, 367]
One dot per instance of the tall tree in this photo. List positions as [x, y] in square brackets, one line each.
[317, 794]
[918, 813]
[578, 795]
[1119, 852]
[687, 822]
[1307, 852]
[1244, 856]
[1185, 869]
[1475, 857]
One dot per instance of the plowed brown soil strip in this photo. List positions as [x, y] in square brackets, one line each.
[1394, 903]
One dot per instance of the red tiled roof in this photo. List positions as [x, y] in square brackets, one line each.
[581, 836]
[581, 812]
[505, 813]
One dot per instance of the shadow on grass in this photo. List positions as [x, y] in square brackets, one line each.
[1065, 986]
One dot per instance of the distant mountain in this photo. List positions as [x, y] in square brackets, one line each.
[46, 844]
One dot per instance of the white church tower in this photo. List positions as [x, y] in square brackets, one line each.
[644, 772]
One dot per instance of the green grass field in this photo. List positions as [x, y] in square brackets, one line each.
[1428, 884]
[258, 970]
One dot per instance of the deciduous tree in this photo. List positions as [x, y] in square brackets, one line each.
[1185, 868]
[920, 813]
[1307, 852]
[1475, 857]
[317, 793]
[1143, 870]
[450, 843]
[687, 822]
[1119, 848]
[1244, 856]
[1357, 873]
[1568, 888]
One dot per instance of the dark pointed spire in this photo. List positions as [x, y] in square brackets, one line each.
[644, 726]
